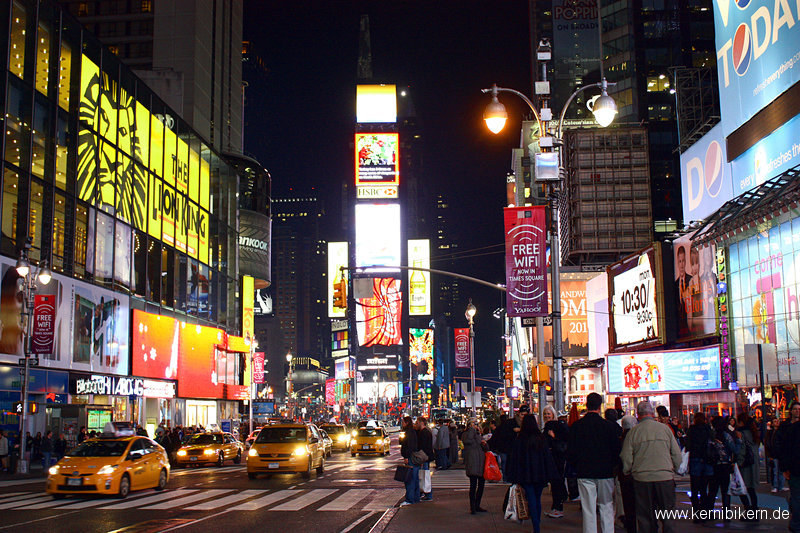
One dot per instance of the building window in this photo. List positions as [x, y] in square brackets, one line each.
[10, 199]
[16, 52]
[59, 232]
[83, 9]
[81, 240]
[658, 83]
[64, 75]
[146, 6]
[43, 59]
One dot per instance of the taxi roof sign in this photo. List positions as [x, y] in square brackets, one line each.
[119, 429]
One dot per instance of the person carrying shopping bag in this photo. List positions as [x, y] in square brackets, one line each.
[474, 459]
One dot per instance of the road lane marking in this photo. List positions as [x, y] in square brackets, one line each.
[204, 495]
[38, 498]
[269, 499]
[150, 499]
[385, 499]
[221, 502]
[305, 500]
[354, 524]
[346, 501]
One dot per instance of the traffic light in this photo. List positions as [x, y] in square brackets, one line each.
[543, 374]
[340, 293]
[508, 369]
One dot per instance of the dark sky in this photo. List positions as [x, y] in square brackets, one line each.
[300, 123]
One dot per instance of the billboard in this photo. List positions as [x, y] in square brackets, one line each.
[636, 294]
[462, 347]
[757, 48]
[597, 319]
[337, 258]
[526, 267]
[89, 329]
[574, 328]
[769, 157]
[419, 281]
[376, 103]
[372, 391]
[695, 289]
[330, 391]
[377, 159]
[131, 164]
[156, 346]
[255, 236]
[262, 302]
[763, 304]
[343, 368]
[647, 373]
[378, 235]
[706, 181]
[420, 353]
[248, 301]
[378, 318]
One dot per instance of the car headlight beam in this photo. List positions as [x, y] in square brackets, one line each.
[181, 453]
[107, 469]
[300, 451]
[53, 470]
[253, 452]
[209, 451]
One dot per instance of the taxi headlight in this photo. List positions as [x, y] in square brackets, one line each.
[53, 470]
[181, 453]
[253, 452]
[343, 437]
[209, 451]
[354, 433]
[300, 450]
[108, 469]
[402, 435]
[388, 440]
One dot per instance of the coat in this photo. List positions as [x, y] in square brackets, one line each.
[650, 452]
[474, 456]
[593, 447]
[409, 444]
[749, 473]
[443, 438]
[697, 442]
[530, 463]
[425, 442]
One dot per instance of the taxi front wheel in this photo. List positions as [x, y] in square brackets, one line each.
[124, 486]
[162, 480]
[307, 473]
[321, 467]
[220, 459]
[238, 459]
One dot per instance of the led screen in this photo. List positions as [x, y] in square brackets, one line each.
[377, 160]
[376, 103]
[695, 289]
[378, 235]
[378, 318]
[419, 281]
[659, 372]
[420, 352]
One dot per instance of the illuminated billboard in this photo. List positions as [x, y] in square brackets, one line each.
[706, 179]
[376, 103]
[419, 281]
[337, 257]
[378, 235]
[420, 352]
[376, 390]
[574, 328]
[646, 373]
[378, 318]
[377, 159]
[132, 165]
[695, 289]
[597, 317]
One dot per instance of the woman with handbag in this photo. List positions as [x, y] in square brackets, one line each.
[407, 448]
[531, 466]
[474, 458]
[557, 434]
[722, 451]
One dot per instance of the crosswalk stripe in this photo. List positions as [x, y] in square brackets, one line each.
[385, 500]
[347, 500]
[150, 499]
[204, 495]
[221, 502]
[269, 499]
[13, 495]
[305, 500]
[24, 502]
[24, 496]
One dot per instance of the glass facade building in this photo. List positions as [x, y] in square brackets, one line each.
[130, 207]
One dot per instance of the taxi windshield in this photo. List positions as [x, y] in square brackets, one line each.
[205, 439]
[333, 430]
[369, 432]
[100, 448]
[279, 435]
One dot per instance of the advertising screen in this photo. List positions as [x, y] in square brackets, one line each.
[378, 235]
[419, 281]
[695, 289]
[574, 329]
[756, 51]
[635, 292]
[668, 371]
[337, 257]
[769, 157]
[376, 390]
[763, 302]
[156, 346]
[200, 368]
[343, 367]
[420, 352]
[255, 230]
[706, 181]
[376, 103]
[526, 267]
[378, 318]
[377, 159]
[597, 318]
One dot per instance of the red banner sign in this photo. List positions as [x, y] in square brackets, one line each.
[330, 391]
[462, 347]
[526, 265]
[44, 324]
[258, 367]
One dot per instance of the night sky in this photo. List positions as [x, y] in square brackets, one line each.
[300, 123]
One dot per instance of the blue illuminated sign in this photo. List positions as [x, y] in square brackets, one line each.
[705, 176]
[758, 44]
[668, 371]
[772, 155]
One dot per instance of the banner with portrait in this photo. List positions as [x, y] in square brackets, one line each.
[695, 289]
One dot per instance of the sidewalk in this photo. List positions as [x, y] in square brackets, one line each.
[449, 511]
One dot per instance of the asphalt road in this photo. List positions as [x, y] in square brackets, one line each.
[351, 496]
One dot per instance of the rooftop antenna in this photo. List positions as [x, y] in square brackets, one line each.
[364, 50]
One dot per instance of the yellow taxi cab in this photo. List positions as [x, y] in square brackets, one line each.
[286, 448]
[110, 464]
[213, 448]
[369, 440]
[338, 434]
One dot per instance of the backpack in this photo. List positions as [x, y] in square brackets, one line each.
[717, 453]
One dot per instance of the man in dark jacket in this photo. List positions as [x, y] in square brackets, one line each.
[408, 446]
[593, 450]
[501, 440]
[789, 461]
[425, 440]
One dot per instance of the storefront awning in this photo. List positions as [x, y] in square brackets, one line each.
[770, 199]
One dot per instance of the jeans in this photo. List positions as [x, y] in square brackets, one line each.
[794, 504]
[720, 482]
[412, 487]
[442, 458]
[700, 486]
[46, 456]
[476, 484]
[559, 492]
[597, 494]
[502, 459]
[533, 493]
[776, 477]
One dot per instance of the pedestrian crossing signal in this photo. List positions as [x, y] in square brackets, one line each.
[508, 369]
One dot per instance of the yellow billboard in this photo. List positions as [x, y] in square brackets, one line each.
[419, 281]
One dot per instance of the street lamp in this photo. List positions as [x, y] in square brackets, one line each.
[470, 314]
[289, 385]
[252, 343]
[29, 278]
[604, 110]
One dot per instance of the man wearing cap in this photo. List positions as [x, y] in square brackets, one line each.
[593, 450]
